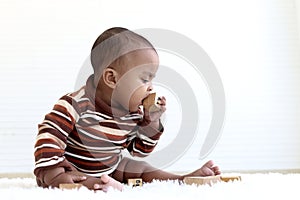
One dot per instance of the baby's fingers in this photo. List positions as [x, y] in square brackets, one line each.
[161, 101]
[77, 176]
[108, 182]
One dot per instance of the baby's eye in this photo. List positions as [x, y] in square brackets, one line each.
[145, 80]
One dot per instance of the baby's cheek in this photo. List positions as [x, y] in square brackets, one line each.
[133, 87]
[138, 95]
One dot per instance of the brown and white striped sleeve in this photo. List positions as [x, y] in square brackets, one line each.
[146, 139]
[52, 134]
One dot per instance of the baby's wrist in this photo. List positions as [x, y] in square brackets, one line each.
[156, 124]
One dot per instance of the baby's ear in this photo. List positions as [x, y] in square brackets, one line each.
[110, 77]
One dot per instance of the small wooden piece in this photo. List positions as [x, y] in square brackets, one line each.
[198, 180]
[230, 178]
[70, 186]
[150, 103]
[135, 182]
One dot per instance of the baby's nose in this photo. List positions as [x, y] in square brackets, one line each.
[150, 88]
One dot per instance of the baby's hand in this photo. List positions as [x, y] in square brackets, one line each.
[103, 183]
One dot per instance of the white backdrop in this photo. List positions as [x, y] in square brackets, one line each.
[254, 44]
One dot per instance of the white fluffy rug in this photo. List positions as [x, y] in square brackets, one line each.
[252, 186]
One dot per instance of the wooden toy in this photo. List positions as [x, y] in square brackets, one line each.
[150, 103]
[226, 178]
[135, 182]
[70, 186]
[198, 180]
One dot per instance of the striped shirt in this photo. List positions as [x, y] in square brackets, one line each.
[82, 130]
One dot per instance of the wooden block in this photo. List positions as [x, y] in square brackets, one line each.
[70, 186]
[199, 180]
[150, 103]
[135, 182]
[226, 178]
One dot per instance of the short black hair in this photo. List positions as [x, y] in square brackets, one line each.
[114, 43]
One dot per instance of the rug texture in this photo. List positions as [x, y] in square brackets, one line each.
[252, 186]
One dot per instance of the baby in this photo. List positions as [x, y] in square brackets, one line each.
[81, 140]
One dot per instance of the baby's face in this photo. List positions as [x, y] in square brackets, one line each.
[135, 83]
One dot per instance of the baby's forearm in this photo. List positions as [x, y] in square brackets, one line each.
[155, 124]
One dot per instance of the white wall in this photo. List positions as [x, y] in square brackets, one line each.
[254, 45]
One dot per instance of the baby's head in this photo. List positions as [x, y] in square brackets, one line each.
[124, 65]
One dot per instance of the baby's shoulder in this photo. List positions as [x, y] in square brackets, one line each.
[78, 99]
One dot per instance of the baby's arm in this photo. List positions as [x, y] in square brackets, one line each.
[51, 143]
[149, 130]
